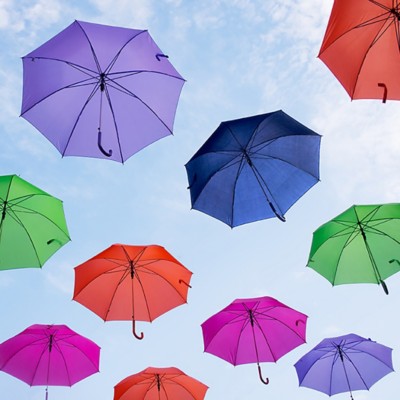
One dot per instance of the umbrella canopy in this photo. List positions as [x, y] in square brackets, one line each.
[361, 245]
[361, 47]
[254, 330]
[254, 168]
[160, 384]
[137, 283]
[49, 355]
[32, 224]
[344, 364]
[100, 91]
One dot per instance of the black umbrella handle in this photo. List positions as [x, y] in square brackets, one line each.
[158, 55]
[182, 281]
[264, 381]
[382, 85]
[384, 287]
[106, 153]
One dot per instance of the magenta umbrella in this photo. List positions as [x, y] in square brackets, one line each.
[49, 355]
[253, 331]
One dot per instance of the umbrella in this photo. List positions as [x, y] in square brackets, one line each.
[160, 384]
[137, 283]
[254, 330]
[361, 47]
[254, 168]
[50, 355]
[32, 224]
[344, 364]
[100, 91]
[361, 245]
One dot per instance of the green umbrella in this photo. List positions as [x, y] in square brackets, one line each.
[361, 245]
[32, 224]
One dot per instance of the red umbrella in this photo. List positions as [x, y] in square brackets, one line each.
[135, 283]
[160, 384]
[361, 47]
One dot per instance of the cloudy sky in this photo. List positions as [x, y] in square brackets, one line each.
[239, 58]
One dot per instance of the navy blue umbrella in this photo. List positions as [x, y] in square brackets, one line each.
[254, 168]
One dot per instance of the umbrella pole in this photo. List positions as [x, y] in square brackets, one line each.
[377, 274]
[251, 317]
[261, 182]
[47, 393]
[102, 88]
[344, 369]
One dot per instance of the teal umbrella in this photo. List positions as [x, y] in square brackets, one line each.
[361, 245]
[32, 224]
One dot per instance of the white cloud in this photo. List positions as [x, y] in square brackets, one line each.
[131, 13]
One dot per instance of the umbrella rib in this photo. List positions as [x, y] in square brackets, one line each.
[38, 342]
[32, 211]
[265, 188]
[64, 361]
[239, 170]
[114, 120]
[137, 259]
[263, 157]
[270, 317]
[165, 279]
[6, 199]
[144, 296]
[378, 35]
[140, 71]
[78, 67]
[243, 326]
[121, 279]
[177, 384]
[95, 88]
[71, 345]
[91, 48]
[54, 92]
[370, 21]
[15, 217]
[129, 93]
[114, 60]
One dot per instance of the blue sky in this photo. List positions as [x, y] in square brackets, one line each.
[240, 58]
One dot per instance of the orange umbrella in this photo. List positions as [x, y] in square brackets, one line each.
[137, 283]
[361, 47]
[160, 384]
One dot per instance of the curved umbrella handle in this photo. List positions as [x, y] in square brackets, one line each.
[266, 381]
[182, 281]
[382, 85]
[158, 55]
[106, 153]
[134, 331]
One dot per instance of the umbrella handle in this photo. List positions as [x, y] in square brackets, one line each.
[182, 281]
[266, 381]
[382, 85]
[384, 287]
[106, 153]
[134, 331]
[161, 55]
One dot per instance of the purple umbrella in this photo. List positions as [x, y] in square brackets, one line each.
[100, 91]
[253, 331]
[49, 355]
[344, 364]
